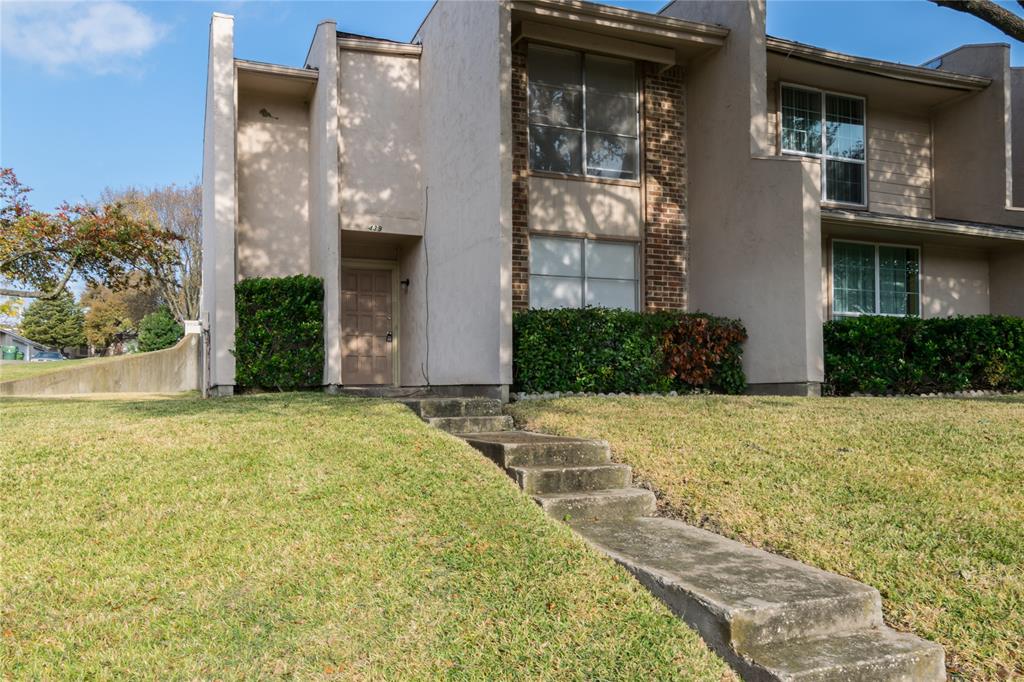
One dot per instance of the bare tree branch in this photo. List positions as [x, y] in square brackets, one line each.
[988, 11]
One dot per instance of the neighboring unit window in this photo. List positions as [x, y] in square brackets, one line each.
[571, 273]
[830, 127]
[583, 114]
[875, 279]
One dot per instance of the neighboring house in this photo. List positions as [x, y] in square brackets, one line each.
[26, 347]
[537, 153]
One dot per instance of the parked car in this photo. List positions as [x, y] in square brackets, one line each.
[48, 356]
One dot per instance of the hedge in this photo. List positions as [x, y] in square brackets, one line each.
[617, 351]
[279, 336]
[907, 355]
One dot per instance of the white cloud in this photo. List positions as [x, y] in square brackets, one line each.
[100, 37]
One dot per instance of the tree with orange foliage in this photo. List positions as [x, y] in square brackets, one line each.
[100, 244]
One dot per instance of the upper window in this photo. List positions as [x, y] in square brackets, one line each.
[583, 114]
[571, 273]
[830, 127]
[875, 279]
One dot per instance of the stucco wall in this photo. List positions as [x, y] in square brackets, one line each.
[379, 124]
[954, 281]
[467, 171]
[325, 238]
[1006, 281]
[607, 210]
[755, 231]
[273, 185]
[972, 141]
[164, 371]
[1017, 126]
[217, 300]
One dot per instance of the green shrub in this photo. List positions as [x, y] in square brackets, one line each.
[617, 351]
[909, 355]
[159, 330]
[279, 337]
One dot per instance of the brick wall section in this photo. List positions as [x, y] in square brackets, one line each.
[665, 238]
[520, 186]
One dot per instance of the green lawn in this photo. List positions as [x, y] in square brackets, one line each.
[11, 370]
[297, 536]
[923, 499]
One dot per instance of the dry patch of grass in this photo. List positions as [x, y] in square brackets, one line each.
[297, 536]
[923, 499]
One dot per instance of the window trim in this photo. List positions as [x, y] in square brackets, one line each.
[878, 288]
[824, 141]
[583, 130]
[584, 238]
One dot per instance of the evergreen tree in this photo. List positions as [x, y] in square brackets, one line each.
[58, 322]
[158, 330]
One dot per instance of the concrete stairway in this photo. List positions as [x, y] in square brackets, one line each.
[771, 618]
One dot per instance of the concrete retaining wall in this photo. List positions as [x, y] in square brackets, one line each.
[172, 370]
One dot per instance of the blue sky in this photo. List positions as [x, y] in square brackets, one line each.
[111, 94]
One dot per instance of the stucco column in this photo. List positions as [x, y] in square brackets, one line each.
[325, 231]
[219, 208]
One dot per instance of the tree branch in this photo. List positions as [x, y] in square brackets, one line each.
[44, 295]
[1006, 21]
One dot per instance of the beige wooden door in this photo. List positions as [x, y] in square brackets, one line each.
[366, 329]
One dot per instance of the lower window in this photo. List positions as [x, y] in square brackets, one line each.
[875, 279]
[571, 273]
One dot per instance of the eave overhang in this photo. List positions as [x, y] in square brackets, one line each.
[951, 228]
[275, 78]
[601, 28]
[874, 67]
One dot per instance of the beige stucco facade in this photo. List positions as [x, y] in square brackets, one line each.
[399, 157]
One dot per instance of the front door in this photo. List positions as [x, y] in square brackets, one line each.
[366, 327]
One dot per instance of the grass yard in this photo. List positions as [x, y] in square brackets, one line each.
[11, 370]
[923, 499]
[297, 536]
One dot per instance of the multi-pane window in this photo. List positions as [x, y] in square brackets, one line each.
[583, 113]
[830, 127]
[571, 273]
[875, 279]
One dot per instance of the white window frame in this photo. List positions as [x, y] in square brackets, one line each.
[584, 277]
[583, 118]
[824, 142]
[878, 278]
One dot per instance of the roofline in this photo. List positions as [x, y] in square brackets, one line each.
[877, 67]
[950, 227]
[710, 33]
[957, 49]
[19, 337]
[380, 46]
[276, 69]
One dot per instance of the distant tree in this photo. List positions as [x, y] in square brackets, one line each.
[159, 330]
[137, 298]
[178, 210]
[990, 12]
[100, 244]
[56, 322]
[107, 320]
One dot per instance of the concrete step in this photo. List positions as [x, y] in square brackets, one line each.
[736, 596]
[598, 505]
[524, 448]
[538, 480]
[470, 424]
[454, 407]
[879, 655]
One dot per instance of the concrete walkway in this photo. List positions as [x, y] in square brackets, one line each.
[770, 617]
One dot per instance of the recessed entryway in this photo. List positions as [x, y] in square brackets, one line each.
[369, 323]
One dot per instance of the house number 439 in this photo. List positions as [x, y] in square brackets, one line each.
[375, 228]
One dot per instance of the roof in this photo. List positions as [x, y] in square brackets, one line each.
[915, 74]
[22, 339]
[359, 36]
[937, 226]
